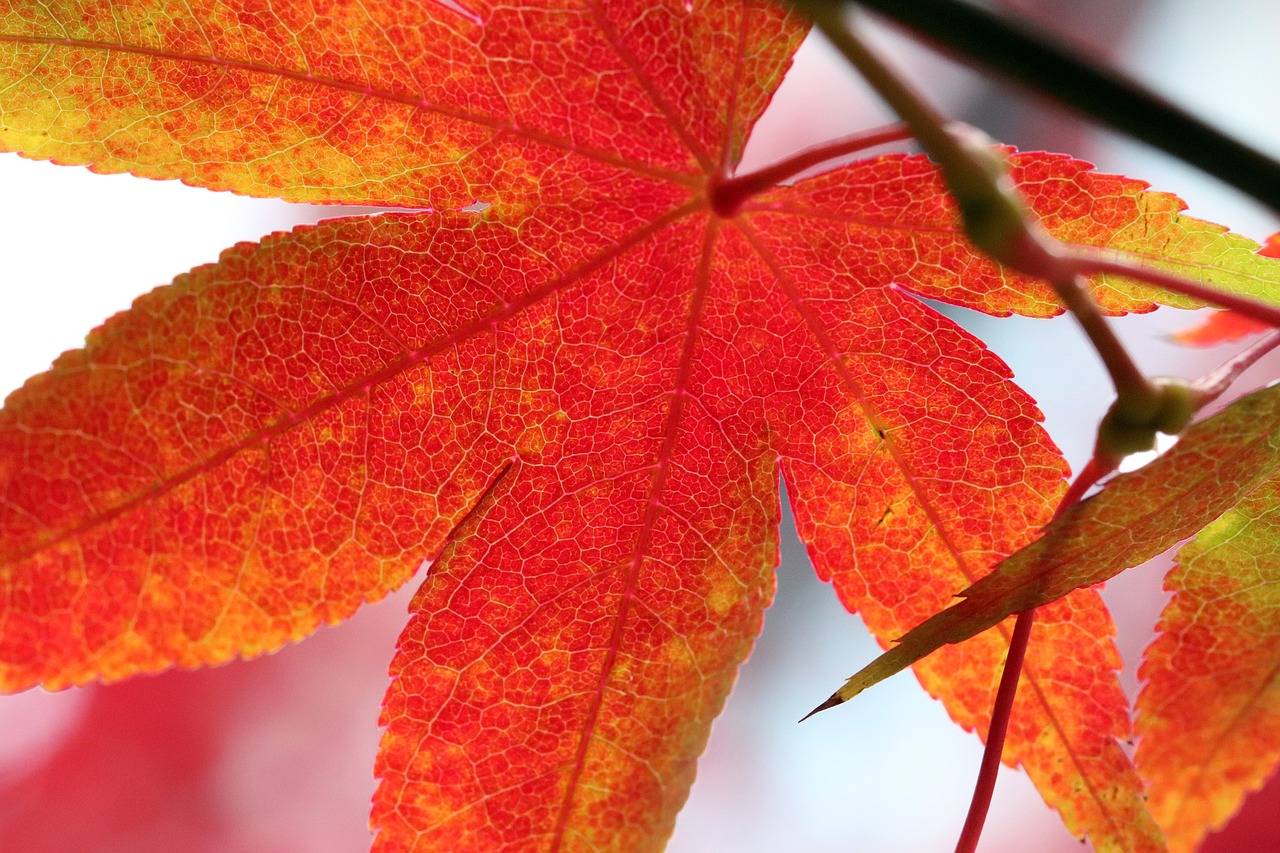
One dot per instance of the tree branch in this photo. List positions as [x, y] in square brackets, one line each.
[1038, 61]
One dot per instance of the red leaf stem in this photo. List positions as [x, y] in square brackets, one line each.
[729, 194]
[985, 786]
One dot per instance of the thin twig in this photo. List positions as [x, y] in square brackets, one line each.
[1002, 709]
[1130, 382]
[729, 193]
[927, 124]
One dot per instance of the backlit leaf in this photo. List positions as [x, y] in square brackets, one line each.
[398, 104]
[1226, 326]
[575, 405]
[1212, 467]
[1207, 715]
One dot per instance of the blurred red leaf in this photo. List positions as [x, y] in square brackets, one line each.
[271, 757]
[1220, 327]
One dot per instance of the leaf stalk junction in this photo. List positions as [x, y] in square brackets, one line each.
[727, 194]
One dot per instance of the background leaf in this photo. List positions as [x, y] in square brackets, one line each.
[1206, 716]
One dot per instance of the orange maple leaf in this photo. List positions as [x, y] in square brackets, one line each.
[1205, 715]
[575, 406]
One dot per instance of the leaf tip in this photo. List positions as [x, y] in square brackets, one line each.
[831, 702]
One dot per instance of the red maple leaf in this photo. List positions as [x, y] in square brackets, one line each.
[575, 405]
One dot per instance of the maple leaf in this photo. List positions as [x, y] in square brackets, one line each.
[1226, 326]
[1205, 714]
[1208, 736]
[575, 406]
[1213, 467]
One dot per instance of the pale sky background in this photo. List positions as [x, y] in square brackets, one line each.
[886, 773]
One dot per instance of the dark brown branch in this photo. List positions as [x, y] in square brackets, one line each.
[1040, 62]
